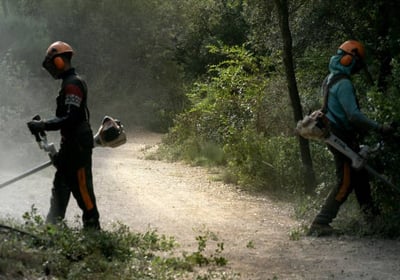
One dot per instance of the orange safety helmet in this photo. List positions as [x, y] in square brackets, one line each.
[352, 49]
[53, 62]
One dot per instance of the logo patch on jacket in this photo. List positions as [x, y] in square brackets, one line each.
[73, 95]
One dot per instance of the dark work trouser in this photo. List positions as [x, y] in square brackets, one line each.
[348, 179]
[74, 175]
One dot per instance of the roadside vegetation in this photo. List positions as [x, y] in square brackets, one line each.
[38, 251]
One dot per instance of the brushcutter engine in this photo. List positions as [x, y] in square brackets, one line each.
[110, 134]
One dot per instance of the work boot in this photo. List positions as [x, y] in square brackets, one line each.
[318, 230]
[91, 224]
[370, 213]
[373, 222]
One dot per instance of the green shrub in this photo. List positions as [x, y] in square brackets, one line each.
[36, 250]
[239, 118]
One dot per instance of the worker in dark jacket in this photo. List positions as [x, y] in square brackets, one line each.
[74, 159]
[348, 123]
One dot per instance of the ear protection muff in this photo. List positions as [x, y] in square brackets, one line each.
[346, 59]
[59, 63]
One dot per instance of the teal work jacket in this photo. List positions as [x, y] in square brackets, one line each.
[343, 109]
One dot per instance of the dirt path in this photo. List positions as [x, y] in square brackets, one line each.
[185, 201]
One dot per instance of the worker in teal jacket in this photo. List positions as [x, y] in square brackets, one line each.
[348, 123]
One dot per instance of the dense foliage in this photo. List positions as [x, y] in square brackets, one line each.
[240, 113]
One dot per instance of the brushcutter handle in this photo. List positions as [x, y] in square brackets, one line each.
[39, 135]
[396, 127]
[391, 132]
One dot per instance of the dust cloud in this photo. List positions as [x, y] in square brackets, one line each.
[128, 66]
[22, 97]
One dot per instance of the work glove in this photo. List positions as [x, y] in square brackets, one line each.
[386, 130]
[36, 126]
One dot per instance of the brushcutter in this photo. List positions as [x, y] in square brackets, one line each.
[314, 126]
[358, 160]
[111, 134]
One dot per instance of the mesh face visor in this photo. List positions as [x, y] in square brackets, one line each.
[50, 67]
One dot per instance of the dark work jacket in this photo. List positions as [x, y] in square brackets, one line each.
[72, 119]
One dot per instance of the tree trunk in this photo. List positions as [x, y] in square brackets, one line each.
[283, 14]
[5, 8]
[384, 55]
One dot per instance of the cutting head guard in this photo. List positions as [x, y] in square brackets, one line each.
[56, 55]
[353, 54]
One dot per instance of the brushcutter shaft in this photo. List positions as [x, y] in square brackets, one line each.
[26, 173]
[357, 161]
[381, 177]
